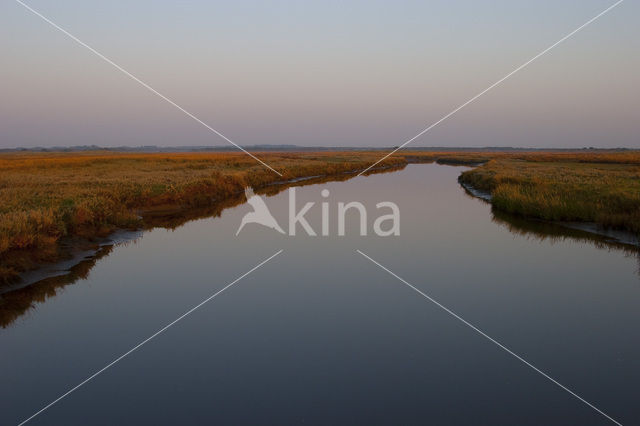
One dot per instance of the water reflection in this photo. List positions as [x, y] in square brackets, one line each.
[16, 303]
[543, 231]
[321, 336]
[19, 302]
[554, 233]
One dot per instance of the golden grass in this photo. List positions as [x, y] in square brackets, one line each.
[53, 195]
[47, 196]
[606, 192]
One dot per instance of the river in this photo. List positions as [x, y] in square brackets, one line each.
[320, 334]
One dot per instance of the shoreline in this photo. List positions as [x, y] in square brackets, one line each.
[47, 281]
[172, 189]
[77, 252]
[611, 235]
[74, 250]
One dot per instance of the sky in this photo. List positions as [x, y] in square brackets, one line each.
[331, 73]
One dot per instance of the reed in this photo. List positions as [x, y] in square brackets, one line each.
[585, 190]
[49, 196]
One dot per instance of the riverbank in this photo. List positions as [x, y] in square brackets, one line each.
[602, 196]
[56, 205]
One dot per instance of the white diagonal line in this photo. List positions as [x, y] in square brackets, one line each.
[491, 339]
[494, 85]
[128, 74]
[148, 339]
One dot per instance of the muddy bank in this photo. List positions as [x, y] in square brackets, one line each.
[72, 251]
[611, 235]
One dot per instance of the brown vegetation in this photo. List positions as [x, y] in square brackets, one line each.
[50, 196]
[606, 192]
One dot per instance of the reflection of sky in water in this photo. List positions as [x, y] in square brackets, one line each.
[320, 335]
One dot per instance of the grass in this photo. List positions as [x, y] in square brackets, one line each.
[47, 197]
[604, 190]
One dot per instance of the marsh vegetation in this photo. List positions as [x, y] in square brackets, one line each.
[573, 189]
[47, 197]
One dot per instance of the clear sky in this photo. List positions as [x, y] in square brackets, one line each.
[328, 73]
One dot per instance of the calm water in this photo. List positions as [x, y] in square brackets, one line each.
[320, 335]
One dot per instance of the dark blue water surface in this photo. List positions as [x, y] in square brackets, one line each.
[321, 335]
